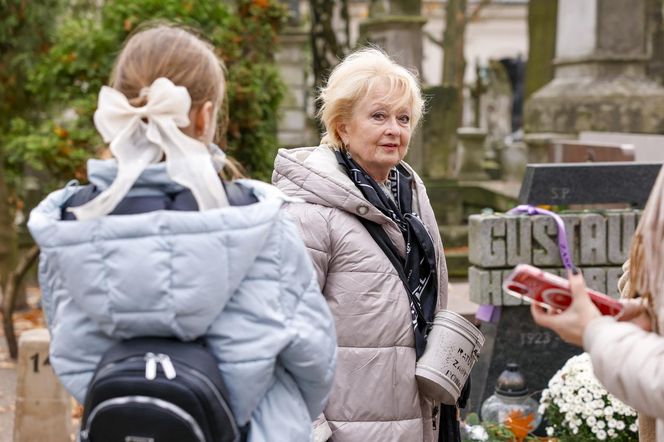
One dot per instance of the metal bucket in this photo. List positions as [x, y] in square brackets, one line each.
[453, 347]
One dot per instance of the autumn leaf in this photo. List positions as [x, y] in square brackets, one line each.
[61, 132]
[77, 411]
[69, 58]
[35, 316]
[128, 24]
[520, 424]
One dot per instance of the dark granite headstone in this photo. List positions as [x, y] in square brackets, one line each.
[516, 338]
[588, 183]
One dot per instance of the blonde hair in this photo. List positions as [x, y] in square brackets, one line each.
[647, 252]
[165, 50]
[356, 77]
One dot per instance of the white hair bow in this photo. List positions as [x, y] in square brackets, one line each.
[188, 161]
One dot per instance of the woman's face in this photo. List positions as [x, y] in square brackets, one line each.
[377, 134]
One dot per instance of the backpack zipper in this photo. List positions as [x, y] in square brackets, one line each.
[167, 366]
[150, 366]
[151, 362]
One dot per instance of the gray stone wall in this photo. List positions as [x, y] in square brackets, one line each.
[295, 127]
[599, 244]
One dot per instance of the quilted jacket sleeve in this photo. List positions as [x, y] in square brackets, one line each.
[310, 356]
[76, 342]
[629, 362]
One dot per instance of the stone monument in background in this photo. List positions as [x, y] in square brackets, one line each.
[295, 127]
[600, 75]
[396, 27]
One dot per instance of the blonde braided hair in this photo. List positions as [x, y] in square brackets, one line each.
[646, 264]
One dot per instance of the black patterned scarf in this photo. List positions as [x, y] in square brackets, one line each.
[420, 260]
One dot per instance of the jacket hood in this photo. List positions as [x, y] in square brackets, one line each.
[314, 175]
[160, 273]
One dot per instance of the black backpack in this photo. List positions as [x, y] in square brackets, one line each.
[157, 390]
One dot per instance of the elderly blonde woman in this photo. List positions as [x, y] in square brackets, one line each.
[359, 192]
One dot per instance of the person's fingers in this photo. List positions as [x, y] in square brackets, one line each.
[577, 284]
[540, 315]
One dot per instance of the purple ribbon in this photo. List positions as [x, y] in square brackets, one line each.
[488, 313]
[562, 237]
[491, 313]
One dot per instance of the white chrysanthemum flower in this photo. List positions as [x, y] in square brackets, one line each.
[477, 432]
[549, 431]
[576, 402]
[633, 428]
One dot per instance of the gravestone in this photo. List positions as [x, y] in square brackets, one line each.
[588, 183]
[647, 147]
[599, 243]
[573, 151]
[43, 407]
[471, 153]
[495, 113]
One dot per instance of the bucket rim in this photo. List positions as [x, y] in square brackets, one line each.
[476, 333]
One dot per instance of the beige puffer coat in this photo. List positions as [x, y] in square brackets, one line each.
[375, 395]
[629, 362]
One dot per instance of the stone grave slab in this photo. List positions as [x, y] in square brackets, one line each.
[573, 151]
[588, 183]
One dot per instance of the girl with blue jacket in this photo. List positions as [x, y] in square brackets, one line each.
[238, 276]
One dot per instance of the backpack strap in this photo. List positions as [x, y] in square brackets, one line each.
[239, 195]
[183, 200]
[82, 196]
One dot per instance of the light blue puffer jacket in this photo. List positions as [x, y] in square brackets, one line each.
[240, 276]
